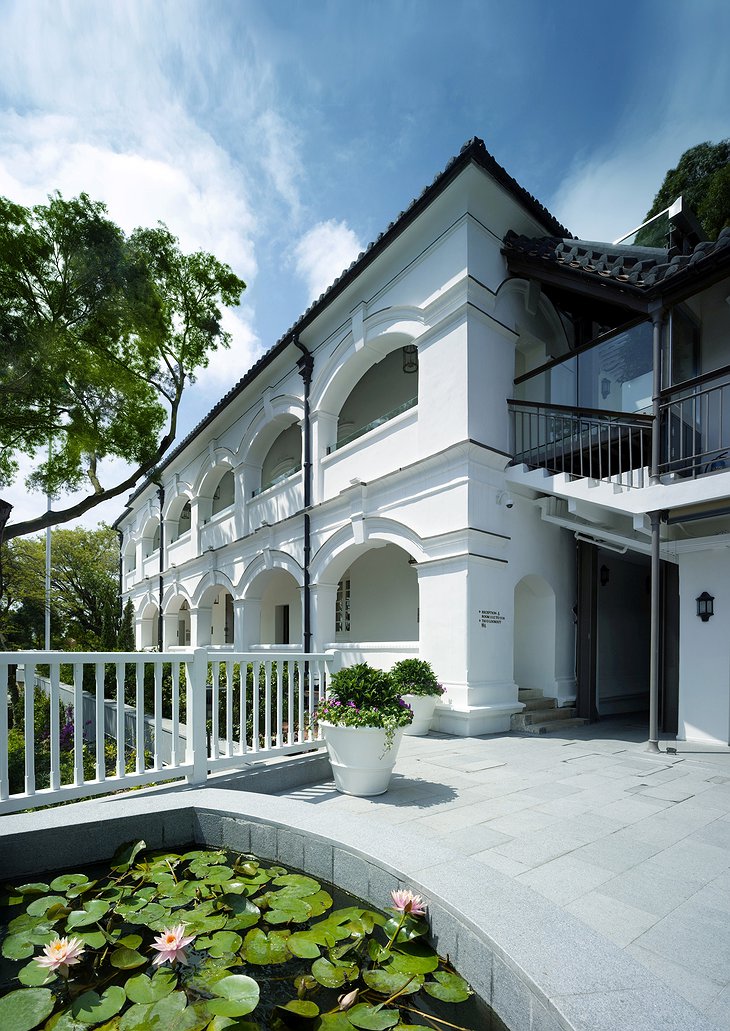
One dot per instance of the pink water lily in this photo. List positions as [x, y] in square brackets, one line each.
[406, 902]
[60, 954]
[171, 945]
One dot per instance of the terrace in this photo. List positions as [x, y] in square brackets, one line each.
[562, 872]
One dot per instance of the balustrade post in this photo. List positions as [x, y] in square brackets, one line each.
[197, 739]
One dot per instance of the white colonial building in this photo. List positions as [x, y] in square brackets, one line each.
[466, 450]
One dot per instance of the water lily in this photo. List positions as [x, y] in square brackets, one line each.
[171, 945]
[406, 902]
[60, 954]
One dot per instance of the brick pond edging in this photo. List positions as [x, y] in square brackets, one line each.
[539, 968]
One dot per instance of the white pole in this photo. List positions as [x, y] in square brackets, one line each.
[47, 642]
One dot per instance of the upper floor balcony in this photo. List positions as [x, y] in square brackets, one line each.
[277, 500]
[384, 444]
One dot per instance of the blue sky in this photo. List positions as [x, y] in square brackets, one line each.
[283, 136]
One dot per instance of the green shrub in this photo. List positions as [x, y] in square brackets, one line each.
[415, 676]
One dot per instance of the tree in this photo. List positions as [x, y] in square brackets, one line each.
[84, 585]
[702, 177]
[99, 332]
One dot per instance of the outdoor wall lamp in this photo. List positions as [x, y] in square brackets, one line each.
[605, 575]
[705, 606]
[410, 358]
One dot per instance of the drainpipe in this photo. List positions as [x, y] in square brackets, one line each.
[655, 658]
[654, 634]
[120, 581]
[305, 366]
[160, 621]
[657, 321]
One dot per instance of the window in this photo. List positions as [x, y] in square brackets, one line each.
[281, 624]
[342, 606]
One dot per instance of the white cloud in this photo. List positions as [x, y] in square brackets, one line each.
[323, 253]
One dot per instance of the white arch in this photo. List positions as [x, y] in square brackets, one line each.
[173, 593]
[262, 564]
[383, 332]
[518, 316]
[175, 500]
[211, 472]
[534, 634]
[338, 551]
[213, 578]
[268, 424]
[143, 602]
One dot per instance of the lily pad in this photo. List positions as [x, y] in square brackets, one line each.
[93, 939]
[126, 959]
[410, 930]
[302, 945]
[17, 946]
[90, 914]
[33, 888]
[372, 1018]
[33, 975]
[333, 975]
[299, 884]
[448, 987]
[218, 874]
[92, 1008]
[334, 1022]
[302, 1007]
[389, 983]
[260, 948]
[414, 958]
[39, 907]
[238, 995]
[222, 943]
[169, 1014]
[26, 1008]
[288, 911]
[148, 990]
[68, 880]
[125, 855]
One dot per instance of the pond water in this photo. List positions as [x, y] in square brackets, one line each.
[264, 948]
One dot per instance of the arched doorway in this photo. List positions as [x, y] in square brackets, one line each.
[534, 635]
[149, 626]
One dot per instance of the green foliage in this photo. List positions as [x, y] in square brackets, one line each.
[343, 968]
[415, 676]
[84, 586]
[101, 331]
[361, 696]
[702, 178]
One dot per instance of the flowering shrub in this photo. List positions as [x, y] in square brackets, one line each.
[360, 696]
[416, 676]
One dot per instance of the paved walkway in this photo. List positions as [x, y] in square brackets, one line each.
[635, 845]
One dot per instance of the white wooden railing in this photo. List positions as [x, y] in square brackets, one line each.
[187, 714]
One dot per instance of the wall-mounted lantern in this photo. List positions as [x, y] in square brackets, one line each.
[605, 575]
[705, 606]
[410, 358]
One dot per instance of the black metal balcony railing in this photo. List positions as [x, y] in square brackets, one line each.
[694, 425]
[586, 442]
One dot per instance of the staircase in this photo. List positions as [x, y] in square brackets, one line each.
[541, 715]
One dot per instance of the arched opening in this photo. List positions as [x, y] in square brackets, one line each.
[224, 494]
[534, 635]
[384, 391]
[377, 596]
[215, 617]
[149, 627]
[177, 624]
[273, 610]
[179, 518]
[151, 538]
[283, 459]
[130, 557]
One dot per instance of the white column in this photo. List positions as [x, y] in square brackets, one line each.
[247, 479]
[169, 630]
[324, 436]
[466, 615]
[250, 623]
[323, 598]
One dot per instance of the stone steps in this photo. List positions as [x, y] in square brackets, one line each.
[542, 715]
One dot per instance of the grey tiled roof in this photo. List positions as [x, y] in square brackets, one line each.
[647, 270]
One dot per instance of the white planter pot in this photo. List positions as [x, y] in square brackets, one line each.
[360, 760]
[423, 707]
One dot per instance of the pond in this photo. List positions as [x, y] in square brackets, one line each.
[209, 939]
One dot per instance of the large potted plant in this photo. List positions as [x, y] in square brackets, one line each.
[416, 681]
[362, 721]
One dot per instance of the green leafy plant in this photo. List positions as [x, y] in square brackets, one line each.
[416, 676]
[361, 696]
[198, 940]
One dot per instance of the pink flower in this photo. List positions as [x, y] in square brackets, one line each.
[406, 902]
[171, 945]
[61, 954]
